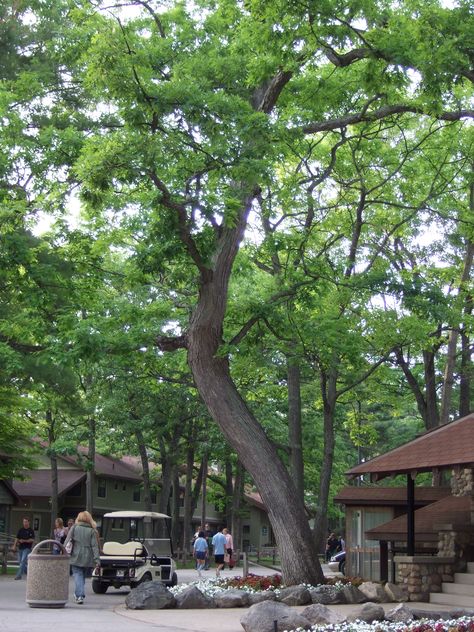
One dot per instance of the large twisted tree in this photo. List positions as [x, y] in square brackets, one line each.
[174, 120]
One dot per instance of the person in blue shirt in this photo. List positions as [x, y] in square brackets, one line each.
[219, 545]
[200, 551]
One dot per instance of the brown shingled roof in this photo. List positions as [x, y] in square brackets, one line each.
[443, 447]
[40, 483]
[452, 510]
[392, 496]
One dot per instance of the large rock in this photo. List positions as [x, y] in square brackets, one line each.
[232, 598]
[295, 596]
[369, 613]
[261, 595]
[262, 616]
[353, 595]
[396, 592]
[317, 614]
[327, 594]
[399, 614]
[374, 592]
[193, 598]
[150, 596]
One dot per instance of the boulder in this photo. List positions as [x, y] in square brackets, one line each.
[150, 596]
[193, 598]
[327, 594]
[395, 592]
[353, 595]
[262, 595]
[261, 617]
[295, 595]
[369, 613]
[232, 598]
[317, 614]
[399, 614]
[374, 592]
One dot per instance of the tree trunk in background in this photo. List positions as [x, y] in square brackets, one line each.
[175, 522]
[204, 490]
[451, 355]
[188, 501]
[197, 490]
[328, 390]
[465, 406]
[90, 472]
[431, 396]
[54, 470]
[294, 424]
[166, 482]
[145, 470]
[229, 491]
[236, 528]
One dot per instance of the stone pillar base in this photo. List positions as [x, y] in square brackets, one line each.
[423, 574]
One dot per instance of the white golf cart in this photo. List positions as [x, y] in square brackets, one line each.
[136, 549]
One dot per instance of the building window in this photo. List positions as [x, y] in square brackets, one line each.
[116, 485]
[101, 488]
[246, 528]
[124, 487]
[136, 495]
[153, 496]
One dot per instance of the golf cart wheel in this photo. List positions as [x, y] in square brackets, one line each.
[174, 579]
[342, 567]
[98, 587]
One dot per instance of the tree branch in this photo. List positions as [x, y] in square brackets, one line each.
[383, 112]
[171, 343]
[184, 231]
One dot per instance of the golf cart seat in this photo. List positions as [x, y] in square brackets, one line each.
[128, 549]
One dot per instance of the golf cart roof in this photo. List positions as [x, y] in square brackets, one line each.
[135, 514]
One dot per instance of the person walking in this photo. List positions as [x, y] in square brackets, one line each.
[85, 552]
[219, 544]
[23, 543]
[200, 552]
[59, 533]
[229, 548]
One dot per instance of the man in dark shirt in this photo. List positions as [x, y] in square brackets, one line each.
[24, 541]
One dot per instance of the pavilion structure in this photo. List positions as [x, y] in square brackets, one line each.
[448, 523]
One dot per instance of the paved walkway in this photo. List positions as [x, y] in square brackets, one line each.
[101, 613]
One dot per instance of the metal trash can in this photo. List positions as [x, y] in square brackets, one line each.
[47, 580]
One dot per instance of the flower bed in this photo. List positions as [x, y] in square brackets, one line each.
[463, 624]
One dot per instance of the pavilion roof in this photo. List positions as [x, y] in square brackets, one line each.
[447, 446]
[388, 496]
